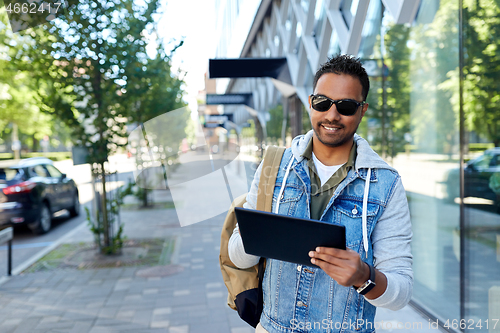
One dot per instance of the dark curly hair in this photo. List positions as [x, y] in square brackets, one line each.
[345, 64]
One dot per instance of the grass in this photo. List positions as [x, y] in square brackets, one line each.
[54, 156]
[155, 205]
[150, 252]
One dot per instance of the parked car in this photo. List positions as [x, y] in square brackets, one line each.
[32, 190]
[479, 177]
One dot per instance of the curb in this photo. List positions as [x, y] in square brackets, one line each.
[21, 267]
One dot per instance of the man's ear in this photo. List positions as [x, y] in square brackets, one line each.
[365, 108]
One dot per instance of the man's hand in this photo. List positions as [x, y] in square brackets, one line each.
[344, 266]
[347, 268]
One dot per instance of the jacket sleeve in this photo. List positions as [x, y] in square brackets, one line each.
[391, 239]
[236, 251]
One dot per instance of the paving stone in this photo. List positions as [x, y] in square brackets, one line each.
[12, 322]
[82, 327]
[118, 300]
[179, 329]
[27, 325]
[242, 329]
[160, 324]
[143, 317]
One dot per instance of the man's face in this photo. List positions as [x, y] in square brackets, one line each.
[331, 128]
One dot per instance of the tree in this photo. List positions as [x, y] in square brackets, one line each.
[398, 90]
[482, 67]
[155, 92]
[434, 59]
[96, 77]
[19, 110]
[391, 102]
[275, 124]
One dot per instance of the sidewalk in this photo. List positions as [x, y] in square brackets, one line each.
[186, 296]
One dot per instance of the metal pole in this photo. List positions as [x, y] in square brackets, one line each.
[384, 94]
[9, 260]
[462, 163]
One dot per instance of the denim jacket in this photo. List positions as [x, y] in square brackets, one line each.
[305, 299]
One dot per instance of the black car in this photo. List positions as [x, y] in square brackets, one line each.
[481, 175]
[31, 190]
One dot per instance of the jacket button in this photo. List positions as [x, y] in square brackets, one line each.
[299, 268]
[300, 303]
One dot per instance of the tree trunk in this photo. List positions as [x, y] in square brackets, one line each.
[15, 142]
[104, 208]
[34, 146]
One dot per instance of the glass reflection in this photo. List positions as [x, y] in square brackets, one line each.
[481, 28]
[412, 123]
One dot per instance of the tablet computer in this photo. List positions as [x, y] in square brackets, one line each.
[284, 237]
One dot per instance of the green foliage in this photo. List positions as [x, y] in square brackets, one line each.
[139, 192]
[275, 124]
[96, 75]
[249, 132]
[96, 226]
[93, 73]
[306, 121]
[54, 156]
[434, 55]
[18, 102]
[482, 68]
[398, 86]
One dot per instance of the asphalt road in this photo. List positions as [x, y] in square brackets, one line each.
[26, 245]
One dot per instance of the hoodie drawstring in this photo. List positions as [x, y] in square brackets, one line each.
[277, 206]
[365, 202]
[365, 207]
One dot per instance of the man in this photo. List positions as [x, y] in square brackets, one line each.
[331, 174]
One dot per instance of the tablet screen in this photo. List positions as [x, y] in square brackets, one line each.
[284, 237]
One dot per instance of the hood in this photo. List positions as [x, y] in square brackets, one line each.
[366, 156]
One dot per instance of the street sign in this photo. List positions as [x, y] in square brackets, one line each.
[80, 155]
[215, 118]
[229, 99]
[212, 125]
[6, 235]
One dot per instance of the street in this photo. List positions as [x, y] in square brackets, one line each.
[26, 245]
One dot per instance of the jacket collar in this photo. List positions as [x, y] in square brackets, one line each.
[366, 156]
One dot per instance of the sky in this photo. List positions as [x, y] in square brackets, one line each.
[193, 20]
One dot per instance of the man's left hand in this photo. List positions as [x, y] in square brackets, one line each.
[344, 266]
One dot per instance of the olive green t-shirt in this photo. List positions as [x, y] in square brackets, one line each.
[320, 195]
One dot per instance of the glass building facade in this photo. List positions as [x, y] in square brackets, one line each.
[434, 114]
[433, 117]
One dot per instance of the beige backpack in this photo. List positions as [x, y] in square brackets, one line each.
[244, 286]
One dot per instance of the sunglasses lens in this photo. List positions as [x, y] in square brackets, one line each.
[347, 108]
[321, 104]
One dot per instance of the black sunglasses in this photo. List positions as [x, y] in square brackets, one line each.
[346, 107]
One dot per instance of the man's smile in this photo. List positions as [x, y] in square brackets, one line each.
[331, 128]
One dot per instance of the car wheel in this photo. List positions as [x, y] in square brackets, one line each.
[44, 221]
[75, 209]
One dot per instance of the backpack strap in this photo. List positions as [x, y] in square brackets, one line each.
[270, 168]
